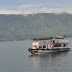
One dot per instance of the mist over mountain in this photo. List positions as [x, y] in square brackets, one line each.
[35, 25]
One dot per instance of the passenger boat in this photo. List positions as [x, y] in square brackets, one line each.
[49, 44]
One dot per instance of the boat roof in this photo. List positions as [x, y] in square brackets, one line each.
[48, 38]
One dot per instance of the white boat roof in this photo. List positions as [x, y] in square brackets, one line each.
[48, 38]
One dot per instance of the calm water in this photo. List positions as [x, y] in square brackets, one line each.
[14, 57]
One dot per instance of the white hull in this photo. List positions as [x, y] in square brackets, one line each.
[38, 51]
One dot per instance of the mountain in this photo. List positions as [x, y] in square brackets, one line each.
[35, 25]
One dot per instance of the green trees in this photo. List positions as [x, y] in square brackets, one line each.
[37, 25]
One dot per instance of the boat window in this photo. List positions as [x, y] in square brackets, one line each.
[56, 45]
[64, 45]
[59, 45]
[44, 46]
[53, 41]
[40, 46]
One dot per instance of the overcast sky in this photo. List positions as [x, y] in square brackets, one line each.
[30, 6]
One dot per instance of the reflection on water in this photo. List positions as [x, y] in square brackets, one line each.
[48, 62]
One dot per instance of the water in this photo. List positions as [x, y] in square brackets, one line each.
[14, 57]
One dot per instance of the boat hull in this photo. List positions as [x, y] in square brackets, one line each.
[39, 51]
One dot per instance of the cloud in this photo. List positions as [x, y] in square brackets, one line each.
[48, 10]
[10, 12]
[29, 6]
[37, 10]
[32, 9]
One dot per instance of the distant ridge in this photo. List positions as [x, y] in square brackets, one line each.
[35, 25]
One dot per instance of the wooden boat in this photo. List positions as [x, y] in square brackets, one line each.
[49, 44]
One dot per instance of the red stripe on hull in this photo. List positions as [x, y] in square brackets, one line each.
[35, 51]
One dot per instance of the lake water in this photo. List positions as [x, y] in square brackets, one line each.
[14, 57]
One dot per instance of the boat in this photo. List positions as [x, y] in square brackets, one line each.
[49, 44]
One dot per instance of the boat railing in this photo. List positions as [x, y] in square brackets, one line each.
[62, 41]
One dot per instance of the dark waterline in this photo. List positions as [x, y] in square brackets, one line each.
[14, 57]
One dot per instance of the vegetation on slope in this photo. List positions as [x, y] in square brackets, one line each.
[35, 25]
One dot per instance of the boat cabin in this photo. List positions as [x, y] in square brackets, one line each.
[50, 43]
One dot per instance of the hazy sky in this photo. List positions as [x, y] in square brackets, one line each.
[46, 3]
[41, 5]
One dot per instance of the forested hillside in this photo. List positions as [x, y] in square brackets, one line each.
[35, 25]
